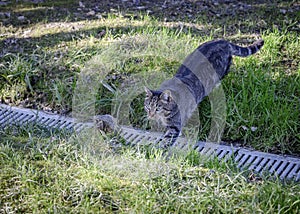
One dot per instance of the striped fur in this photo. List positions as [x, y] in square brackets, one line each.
[246, 51]
[176, 99]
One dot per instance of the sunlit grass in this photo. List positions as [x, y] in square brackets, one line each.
[71, 175]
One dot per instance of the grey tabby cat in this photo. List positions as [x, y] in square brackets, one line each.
[176, 99]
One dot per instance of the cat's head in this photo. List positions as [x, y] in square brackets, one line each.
[159, 104]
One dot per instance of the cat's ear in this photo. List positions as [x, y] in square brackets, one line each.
[166, 95]
[148, 92]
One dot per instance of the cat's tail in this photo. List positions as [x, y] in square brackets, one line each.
[246, 51]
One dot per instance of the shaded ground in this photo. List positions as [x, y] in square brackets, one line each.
[260, 14]
[218, 18]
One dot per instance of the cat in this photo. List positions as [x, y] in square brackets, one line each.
[176, 99]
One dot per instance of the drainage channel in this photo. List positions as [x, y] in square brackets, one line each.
[284, 167]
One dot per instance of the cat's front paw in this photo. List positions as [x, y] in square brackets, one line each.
[164, 143]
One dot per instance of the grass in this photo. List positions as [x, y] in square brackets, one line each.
[79, 174]
[41, 60]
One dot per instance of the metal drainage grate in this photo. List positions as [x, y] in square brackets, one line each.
[260, 162]
[20, 116]
[282, 166]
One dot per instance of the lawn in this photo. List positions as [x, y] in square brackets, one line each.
[46, 47]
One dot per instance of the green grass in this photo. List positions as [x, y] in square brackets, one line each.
[79, 174]
[42, 57]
